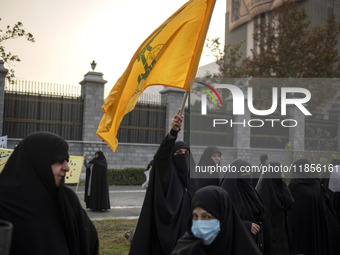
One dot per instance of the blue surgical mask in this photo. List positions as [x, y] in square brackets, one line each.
[206, 230]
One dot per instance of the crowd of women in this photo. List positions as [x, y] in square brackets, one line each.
[236, 214]
[180, 215]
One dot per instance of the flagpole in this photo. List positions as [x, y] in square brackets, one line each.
[184, 101]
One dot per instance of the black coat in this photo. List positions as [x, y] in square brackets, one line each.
[315, 228]
[232, 239]
[165, 213]
[46, 219]
[96, 184]
[245, 199]
[277, 200]
[206, 178]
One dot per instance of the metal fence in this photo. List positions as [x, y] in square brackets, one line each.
[271, 135]
[35, 106]
[28, 113]
[145, 124]
[201, 131]
[43, 88]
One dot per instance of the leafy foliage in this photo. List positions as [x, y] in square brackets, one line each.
[12, 32]
[285, 47]
[126, 176]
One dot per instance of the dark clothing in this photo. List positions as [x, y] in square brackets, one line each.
[207, 178]
[315, 228]
[255, 176]
[332, 187]
[277, 200]
[245, 199]
[166, 211]
[336, 204]
[96, 185]
[232, 238]
[46, 219]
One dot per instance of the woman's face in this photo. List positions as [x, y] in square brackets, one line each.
[200, 214]
[216, 157]
[59, 170]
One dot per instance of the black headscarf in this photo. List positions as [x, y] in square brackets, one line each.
[100, 159]
[99, 198]
[243, 194]
[332, 181]
[46, 219]
[273, 192]
[166, 212]
[245, 198]
[277, 200]
[206, 160]
[313, 222]
[232, 239]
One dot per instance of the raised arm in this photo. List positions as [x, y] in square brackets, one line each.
[163, 156]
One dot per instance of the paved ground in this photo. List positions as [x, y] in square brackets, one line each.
[126, 202]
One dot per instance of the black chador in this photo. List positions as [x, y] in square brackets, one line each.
[232, 239]
[205, 177]
[315, 228]
[96, 186]
[166, 213]
[277, 200]
[47, 219]
[245, 198]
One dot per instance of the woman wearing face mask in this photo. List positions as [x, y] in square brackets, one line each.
[216, 227]
[47, 216]
[166, 212]
[245, 199]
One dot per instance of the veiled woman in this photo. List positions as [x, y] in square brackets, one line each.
[97, 196]
[166, 211]
[216, 228]
[47, 216]
[277, 200]
[315, 228]
[211, 157]
[245, 198]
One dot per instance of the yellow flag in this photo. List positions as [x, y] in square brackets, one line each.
[169, 57]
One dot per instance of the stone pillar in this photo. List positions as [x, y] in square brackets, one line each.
[242, 133]
[172, 98]
[93, 93]
[296, 134]
[3, 73]
[334, 114]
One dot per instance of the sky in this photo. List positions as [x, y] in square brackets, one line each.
[69, 34]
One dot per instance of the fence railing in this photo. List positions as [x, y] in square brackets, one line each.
[43, 88]
[66, 90]
[27, 113]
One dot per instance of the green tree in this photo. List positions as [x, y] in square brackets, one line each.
[228, 59]
[12, 32]
[286, 47]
